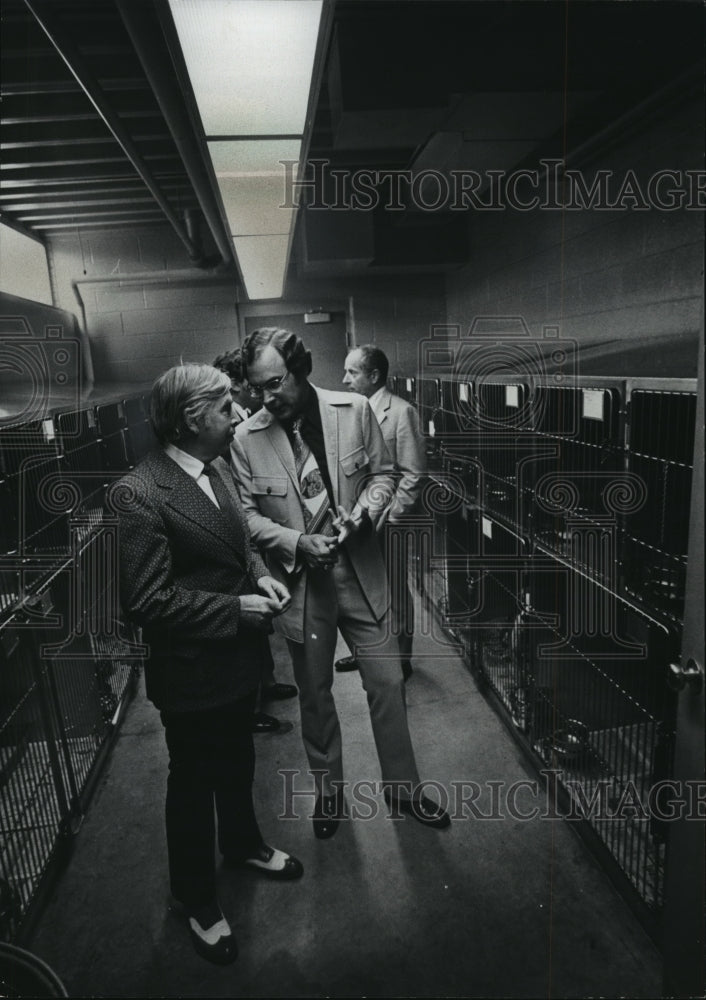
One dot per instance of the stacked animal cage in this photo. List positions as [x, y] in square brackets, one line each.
[67, 661]
[563, 581]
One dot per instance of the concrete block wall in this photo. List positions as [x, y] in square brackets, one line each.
[394, 312]
[626, 284]
[137, 329]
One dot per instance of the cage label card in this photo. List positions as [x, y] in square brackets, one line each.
[512, 395]
[592, 404]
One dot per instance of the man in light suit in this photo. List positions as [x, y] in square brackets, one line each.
[365, 371]
[314, 477]
[190, 577]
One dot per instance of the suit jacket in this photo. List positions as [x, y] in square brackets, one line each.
[182, 566]
[361, 478]
[399, 423]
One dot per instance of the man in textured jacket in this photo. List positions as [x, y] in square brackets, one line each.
[314, 477]
[191, 579]
[365, 371]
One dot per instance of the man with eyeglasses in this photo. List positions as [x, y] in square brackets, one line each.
[244, 404]
[315, 477]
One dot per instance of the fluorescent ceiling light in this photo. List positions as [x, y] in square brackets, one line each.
[250, 62]
[263, 261]
[252, 184]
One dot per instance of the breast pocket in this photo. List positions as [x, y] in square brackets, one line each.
[270, 495]
[275, 486]
[355, 461]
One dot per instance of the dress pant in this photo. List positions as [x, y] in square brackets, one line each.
[211, 761]
[267, 674]
[395, 555]
[334, 600]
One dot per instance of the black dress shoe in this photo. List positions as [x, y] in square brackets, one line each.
[262, 723]
[423, 809]
[279, 692]
[328, 812]
[345, 664]
[406, 670]
[211, 935]
[270, 862]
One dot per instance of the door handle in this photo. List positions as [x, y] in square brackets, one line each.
[689, 676]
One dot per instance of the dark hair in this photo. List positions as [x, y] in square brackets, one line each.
[288, 345]
[373, 358]
[232, 364]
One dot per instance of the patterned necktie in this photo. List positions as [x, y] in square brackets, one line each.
[318, 519]
[225, 502]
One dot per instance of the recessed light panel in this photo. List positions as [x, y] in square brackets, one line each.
[254, 184]
[263, 261]
[250, 62]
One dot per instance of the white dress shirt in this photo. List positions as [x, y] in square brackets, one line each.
[192, 467]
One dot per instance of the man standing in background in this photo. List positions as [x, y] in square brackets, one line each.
[365, 371]
[244, 404]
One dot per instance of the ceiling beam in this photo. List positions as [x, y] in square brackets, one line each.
[30, 87]
[147, 36]
[30, 120]
[101, 224]
[48, 206]
[41, 198]
[77, 65]
[36, 54]
[87, 217]
[42, 164]
[88, 140]
[13, 189]
[99, 174]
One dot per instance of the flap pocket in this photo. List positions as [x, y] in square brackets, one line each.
[354, 461]
[275, 486]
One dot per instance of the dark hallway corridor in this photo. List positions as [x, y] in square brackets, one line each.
[489, 908]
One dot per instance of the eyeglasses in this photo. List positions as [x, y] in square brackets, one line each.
[272, 386]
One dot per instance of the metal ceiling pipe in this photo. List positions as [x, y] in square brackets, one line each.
[82, 73]
[141, 26]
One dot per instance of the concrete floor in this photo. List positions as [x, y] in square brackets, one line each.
[487, 908]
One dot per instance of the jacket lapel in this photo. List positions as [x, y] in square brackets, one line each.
[384, 408]
[188, 500]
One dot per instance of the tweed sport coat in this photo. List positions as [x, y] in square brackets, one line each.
[362, 476]
[182, 566]
[399, 423]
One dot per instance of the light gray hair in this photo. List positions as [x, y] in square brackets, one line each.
[184, 392]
